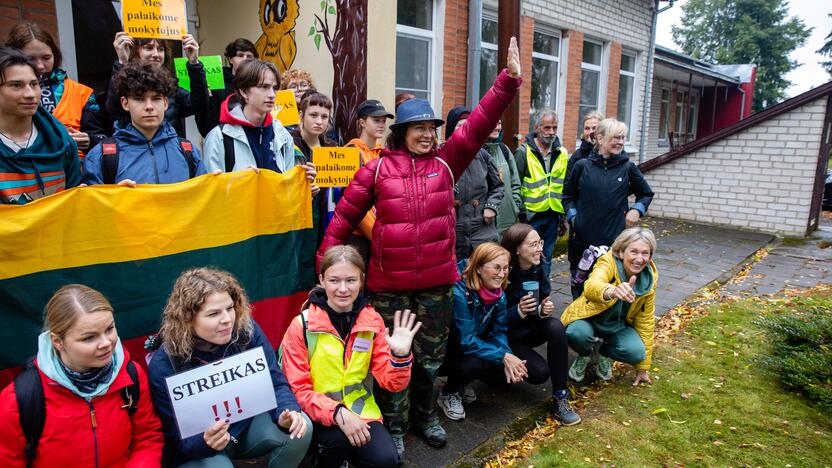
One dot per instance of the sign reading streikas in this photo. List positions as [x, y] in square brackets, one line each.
[233, 389]
[336, 166]
[160, 19]
[285, 108]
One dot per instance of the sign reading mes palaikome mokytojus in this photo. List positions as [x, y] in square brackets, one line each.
[160, 19]
[336, 166]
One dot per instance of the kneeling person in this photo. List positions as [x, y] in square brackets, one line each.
[147, 150]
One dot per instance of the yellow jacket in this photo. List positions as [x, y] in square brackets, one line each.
[640, 314]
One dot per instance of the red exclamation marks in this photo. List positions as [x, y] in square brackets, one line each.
[239, 408]
[216, 416]
[227, 409]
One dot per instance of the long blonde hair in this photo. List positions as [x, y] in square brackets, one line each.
[68, 303]
[189, 293]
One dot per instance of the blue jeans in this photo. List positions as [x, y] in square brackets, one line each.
[546, 224]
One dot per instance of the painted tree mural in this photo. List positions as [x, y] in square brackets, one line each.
[347, 44]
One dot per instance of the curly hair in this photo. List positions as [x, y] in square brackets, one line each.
[134, 80]
[296, 74]
[189, 293]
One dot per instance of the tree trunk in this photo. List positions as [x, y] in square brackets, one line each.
[349, 63]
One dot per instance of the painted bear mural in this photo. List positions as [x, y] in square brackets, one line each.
[277, 43]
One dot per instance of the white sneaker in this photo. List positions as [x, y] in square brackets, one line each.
[452, 406]
[468, 395]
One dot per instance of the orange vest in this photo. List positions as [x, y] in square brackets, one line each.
[68, 111]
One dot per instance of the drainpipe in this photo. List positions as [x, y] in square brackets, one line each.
[648, 86]
[742, 109]
[474, 52]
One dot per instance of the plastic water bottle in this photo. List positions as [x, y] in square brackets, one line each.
[588, 258]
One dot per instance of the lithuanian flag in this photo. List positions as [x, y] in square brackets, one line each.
[132, 244]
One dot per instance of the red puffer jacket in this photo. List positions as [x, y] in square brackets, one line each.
[414, 234]
[69, 437]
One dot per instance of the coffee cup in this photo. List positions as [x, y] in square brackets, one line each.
[533, 288]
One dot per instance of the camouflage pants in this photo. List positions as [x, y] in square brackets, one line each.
[432, 307]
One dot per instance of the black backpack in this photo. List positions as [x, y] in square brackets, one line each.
[109, 158]
[31, 402]
[228, 146]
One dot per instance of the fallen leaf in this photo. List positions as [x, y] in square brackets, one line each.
[685, 396]
[660, 410]
[710, 343]
[625, 423]
[733, 428]
[717, 421]
[717, 442]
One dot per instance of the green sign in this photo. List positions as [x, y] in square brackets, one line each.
[213, 71]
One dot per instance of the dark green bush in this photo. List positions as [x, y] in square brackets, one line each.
[801, 348]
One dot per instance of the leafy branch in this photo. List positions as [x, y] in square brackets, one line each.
[320, 27]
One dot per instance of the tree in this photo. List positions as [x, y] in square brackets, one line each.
[827, 51]
[347, 44]
[748, 31]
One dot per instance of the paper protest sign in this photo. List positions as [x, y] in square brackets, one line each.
[160, 19]
[233, 389]
[336, 166]
[213, 71]
[285, 108]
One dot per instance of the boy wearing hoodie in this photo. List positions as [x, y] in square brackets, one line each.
[37, 156]
[147, 150]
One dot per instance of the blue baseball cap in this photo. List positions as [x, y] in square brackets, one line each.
[415, 110]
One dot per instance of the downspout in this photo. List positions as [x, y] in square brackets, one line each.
[648, 85]
[742, 108]
[474, 52]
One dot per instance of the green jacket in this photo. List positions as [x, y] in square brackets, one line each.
[511, 204]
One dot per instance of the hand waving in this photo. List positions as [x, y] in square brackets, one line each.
[403, 331]
[513, 61]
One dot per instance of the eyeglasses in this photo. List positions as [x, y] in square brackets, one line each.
[299, 85]
[497, 268]
[536, 245]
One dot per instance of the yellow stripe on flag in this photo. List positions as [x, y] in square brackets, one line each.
[108, 223]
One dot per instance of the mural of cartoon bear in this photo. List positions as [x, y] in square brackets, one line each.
[277, 43]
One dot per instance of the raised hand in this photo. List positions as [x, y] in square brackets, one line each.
[623, 291]
[513, 60]
[123, 44]
[404, 330]
[191, 48]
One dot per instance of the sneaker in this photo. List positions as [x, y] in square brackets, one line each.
[435, 434]
[604, 368]
[452, 406]
[468, 394]
[564, 412]
[577, 371]
[398, 441]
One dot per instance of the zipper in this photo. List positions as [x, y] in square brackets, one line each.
[94, 425]
[153, 158]
[416, 211]
[381, 247]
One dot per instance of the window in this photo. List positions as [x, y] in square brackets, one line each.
[679, 118]
[693, 115]
[414, 48]
[626, 87]
[488, 59]
[664, 114]
[590, 81]
[545, 70]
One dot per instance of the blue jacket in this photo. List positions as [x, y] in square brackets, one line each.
[480, 330]
[158, 161]
[194, 447]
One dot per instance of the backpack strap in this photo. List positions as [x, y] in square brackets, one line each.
[375, 178]
[130, 394]
[228, 147]
[188, 151]
[109, 160]
[31, 406]
[453, 179]
[310, 339]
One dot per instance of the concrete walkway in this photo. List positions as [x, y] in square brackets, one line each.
[689, 256]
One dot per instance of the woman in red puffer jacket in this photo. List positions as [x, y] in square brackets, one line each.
[412, 263]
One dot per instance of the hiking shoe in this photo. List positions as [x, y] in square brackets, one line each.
[577, 371]
[604, 368]
[564, 412]
[452, 406]
[398, 441]
[434, 434]
[468, 395]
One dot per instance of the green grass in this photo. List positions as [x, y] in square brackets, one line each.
[708, 406]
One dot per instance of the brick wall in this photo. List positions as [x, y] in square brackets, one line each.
[526, 38]
[572, 72]
[760, 178]
[455, 66]
[36, 11]
[612, 79]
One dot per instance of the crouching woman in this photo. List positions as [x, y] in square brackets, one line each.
[327, 354]
[616, 308]
[208, 318]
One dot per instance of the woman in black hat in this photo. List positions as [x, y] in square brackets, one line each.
[412, 264]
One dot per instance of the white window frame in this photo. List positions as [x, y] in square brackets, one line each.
[693, 115]
[664, 102]
[434, 45]
[550, 58]
[602, 81]
[633, 102]
[487, 16]
[679, 117]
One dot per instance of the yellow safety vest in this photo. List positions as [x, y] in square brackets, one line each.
[542, 191]
[344, 383]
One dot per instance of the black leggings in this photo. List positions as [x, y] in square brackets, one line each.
[462, 370]
[533, 332]
[332, 447]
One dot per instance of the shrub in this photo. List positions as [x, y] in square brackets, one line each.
[801, 349]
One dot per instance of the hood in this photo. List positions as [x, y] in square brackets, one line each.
[132, 136]
[231, 112]
[530, 140]
[644, 280]
[460, 266]
[454, 116]
[359, 143]
[497, 140]
[52, 140]
[48, 364]
[58, 75]
[318, 297]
